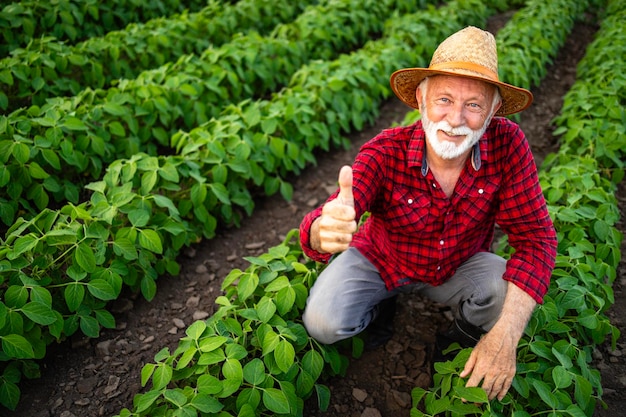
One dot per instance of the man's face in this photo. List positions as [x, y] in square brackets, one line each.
[455, 113]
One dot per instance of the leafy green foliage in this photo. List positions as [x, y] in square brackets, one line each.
[555, 374]
[48, 68]
[23, 21]
[49, 148]
[253, 356]
[59, 268]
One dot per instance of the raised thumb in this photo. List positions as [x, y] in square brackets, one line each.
[345, 186]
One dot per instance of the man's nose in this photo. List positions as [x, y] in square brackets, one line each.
[456, 116]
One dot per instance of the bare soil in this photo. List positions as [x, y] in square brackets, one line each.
[89, 378]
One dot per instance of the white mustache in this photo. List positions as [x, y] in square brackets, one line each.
[453, 131]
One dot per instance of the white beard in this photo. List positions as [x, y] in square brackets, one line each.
[447, 149]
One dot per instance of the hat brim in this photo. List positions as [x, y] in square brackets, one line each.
[404, 84]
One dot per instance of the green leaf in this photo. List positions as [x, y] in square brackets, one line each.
[9, 394]
[36, 171]
[285, 300]
[206, 404]
[6, 77]
[313, 363]
[17, 347]
[589, 319]
[472, 394]
[146, 373]
[90, 326]
[124, 247]
[196, 329]
[583, 390]
[247, 285]
[105, 318]
[232, 369]
[208, 384]
[248, 400]
[265, 309]
[42, 295]
[74, 123]
[24, 244]
[145, 401]
[438, 406]
[21, 153]
[211, 343]
[275, 400]
[163, 201]
[139, 217]
[162, 376]
[148, 287]
[270, 341]
[16, 296]
[148, 181]
[284, 354]
[323, 396]
[220, 191]
[235, 350]
[74, 295]
[39, 312]
[254, 372]
[115, 109]
[169, 172]
[101, 289]
[561, 377]
[176, 397]
[545, 393]
[85, 257]
[150, 239]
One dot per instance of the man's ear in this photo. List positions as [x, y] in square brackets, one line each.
[418, 97]
[496, 107]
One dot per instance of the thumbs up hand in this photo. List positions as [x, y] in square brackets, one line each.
[332, 231]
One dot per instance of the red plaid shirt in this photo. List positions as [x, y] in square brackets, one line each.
[415, 233]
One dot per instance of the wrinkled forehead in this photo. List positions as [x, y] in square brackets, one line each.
[454, 85]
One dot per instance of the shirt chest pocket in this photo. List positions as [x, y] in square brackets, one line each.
[407, 212]
[481, 198]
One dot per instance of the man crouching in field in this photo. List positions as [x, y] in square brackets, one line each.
[434, 192]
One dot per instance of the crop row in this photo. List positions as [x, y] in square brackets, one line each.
[276, 365]
[49, 68]
[46, 150]
[24, 21]
[265, 300]
[146, 207]
[555, 374]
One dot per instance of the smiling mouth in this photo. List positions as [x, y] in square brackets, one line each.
[452, 136]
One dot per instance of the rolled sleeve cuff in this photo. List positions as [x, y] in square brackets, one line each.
[305, 238]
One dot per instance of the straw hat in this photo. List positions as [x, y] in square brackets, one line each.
[471, 53]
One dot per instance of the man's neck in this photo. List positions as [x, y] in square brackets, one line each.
[439, 164]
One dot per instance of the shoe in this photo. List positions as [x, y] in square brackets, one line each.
[461, 332]
[380, 330]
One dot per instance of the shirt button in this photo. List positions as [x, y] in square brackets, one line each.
[438, 268]
[410, 201]
[441, 242]
[434, 185]
[481, 191]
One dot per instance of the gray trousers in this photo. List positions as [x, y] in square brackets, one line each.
[343, 299]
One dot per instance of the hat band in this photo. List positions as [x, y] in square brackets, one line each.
[470, 66]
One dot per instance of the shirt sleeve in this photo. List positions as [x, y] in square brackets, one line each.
[305, 236]
[524, 217]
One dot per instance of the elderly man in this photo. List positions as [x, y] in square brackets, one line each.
[434, 192]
